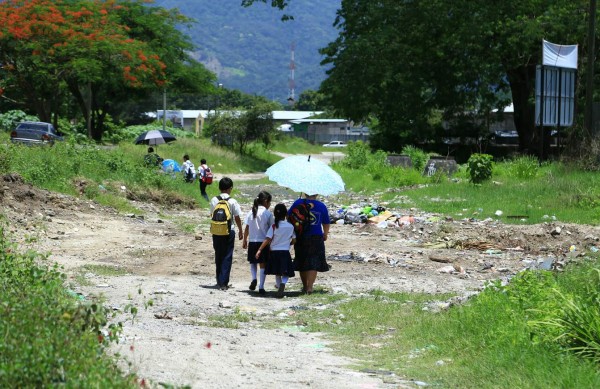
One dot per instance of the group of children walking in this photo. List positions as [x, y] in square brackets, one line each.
[268, 238]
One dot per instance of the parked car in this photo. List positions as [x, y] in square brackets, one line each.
[35, 133]
[335, 143]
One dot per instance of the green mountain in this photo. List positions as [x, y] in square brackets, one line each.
[250, 49]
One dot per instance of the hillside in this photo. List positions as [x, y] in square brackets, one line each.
[250, 48]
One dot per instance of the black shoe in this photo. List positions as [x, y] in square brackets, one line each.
[262, 291]
[253, 285]
[223, 287]
[280, 290]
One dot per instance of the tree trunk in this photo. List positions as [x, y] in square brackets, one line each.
[74, 89]
[522, 86]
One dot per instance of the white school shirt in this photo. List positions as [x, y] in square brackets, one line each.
[188, 165]
[201, 170]
[234, 207]
[282, 236]
[258, 227]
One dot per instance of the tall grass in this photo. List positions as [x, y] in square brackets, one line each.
[555, 192]
[501, 338]
[49, 337]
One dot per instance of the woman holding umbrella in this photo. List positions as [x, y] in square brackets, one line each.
[310, 247]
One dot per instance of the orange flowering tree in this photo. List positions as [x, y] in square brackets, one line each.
[89, 54]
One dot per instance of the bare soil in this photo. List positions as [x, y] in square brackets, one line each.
[175, 341]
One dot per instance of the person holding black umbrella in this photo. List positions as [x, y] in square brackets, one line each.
[152, 159]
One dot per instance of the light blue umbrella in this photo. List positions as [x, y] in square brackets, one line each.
[300, 173]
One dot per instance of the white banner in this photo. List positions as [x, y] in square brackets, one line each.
[559, 55]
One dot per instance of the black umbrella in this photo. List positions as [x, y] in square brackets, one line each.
[155, 137]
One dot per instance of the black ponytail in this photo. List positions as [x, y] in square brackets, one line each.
[280, 213]
[262, 199]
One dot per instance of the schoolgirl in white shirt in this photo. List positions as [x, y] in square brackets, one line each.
[258, 221]
[280, 238]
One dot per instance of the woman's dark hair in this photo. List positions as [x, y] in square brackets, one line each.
[186, 157]
[203, 161]
[280, 213]
[262, 199]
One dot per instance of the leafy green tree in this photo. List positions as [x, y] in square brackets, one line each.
[237, 128]
[98, 53]
[405, 60]
[310, 100]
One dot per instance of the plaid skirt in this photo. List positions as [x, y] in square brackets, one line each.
[310, 254]
[253, 248]
[280, 263]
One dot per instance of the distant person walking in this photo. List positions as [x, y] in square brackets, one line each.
[205, 177]
[224, 244]
[257, 222]
[310, 248]
[189, 170]
[280, 237]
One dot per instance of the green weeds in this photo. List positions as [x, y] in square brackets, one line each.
[523, 334]
[50, 337]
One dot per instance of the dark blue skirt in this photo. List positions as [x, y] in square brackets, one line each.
[253, 248]
[280, 263]
[310, 254]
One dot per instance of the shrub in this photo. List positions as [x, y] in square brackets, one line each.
[402, 177]
[417, 156]
[524, 167]
[479, 167]
[10, 119]
[577, 325]
[50, 337]
[357, 155]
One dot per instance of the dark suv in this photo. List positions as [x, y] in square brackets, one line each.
[35, 133]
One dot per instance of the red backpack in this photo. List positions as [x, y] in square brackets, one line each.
[299, 217]
[207, 178]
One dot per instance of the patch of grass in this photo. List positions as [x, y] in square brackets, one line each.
[294, 145]
[483, 344]
[231, 320]
[104, 270]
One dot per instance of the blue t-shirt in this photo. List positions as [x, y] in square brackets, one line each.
[318, 215]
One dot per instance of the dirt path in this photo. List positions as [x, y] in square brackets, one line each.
[183, 339]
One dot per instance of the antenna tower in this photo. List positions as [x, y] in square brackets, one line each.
[292, 82]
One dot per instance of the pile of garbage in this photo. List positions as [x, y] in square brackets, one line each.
[372, 213]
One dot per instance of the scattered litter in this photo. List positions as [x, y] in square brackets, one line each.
[164, 315]
[446, 269]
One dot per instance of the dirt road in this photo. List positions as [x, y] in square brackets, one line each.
[185, 337]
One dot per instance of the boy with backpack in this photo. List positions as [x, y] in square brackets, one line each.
[206, 177]
[224, 211]
[189, 171]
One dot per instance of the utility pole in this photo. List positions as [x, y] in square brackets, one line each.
[292, 81]
[589, 79]
[164, 109]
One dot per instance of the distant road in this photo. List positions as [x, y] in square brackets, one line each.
[326, 156]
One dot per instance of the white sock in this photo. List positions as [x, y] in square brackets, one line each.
[263, 276]
[253, 267]
[277, 281]
[285, 279]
